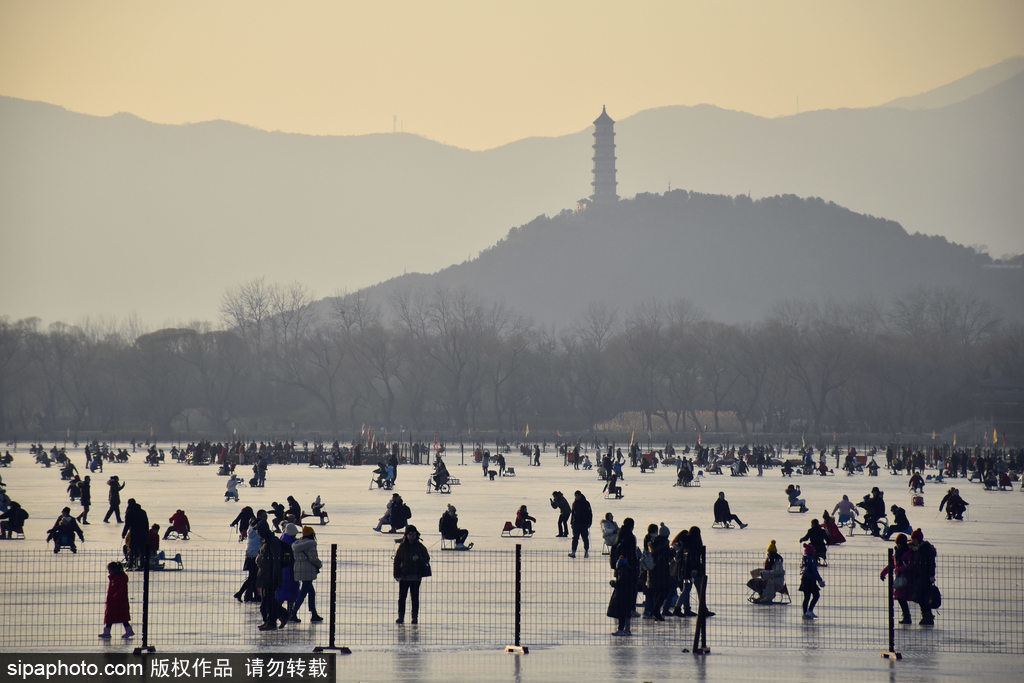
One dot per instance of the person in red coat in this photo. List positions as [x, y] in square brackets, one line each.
[835, 536]
[117, 601]
[179, 523]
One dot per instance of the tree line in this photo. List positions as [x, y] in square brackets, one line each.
[280, 363]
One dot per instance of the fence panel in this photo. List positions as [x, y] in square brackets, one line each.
[57, 601]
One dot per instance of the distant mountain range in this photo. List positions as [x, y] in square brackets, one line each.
[111, 215]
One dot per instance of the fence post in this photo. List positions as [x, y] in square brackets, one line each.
[518, 648]
[334, 608]
[891, 652]
[145, 647]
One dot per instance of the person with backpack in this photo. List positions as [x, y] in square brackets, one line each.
[396, 514]
[903, 576]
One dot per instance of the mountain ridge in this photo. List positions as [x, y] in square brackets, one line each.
[114, 210]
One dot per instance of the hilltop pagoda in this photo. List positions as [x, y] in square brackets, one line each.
[604, 160]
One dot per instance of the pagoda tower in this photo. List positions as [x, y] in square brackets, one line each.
[604, 160]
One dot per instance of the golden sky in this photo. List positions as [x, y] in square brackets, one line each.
[481, 73]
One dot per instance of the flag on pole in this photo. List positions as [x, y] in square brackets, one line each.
[631, 437]
[700, 437]
[995, 437]
[954, 439]
[933, 435]
[437, 446]
[803, 443]
[527, 430]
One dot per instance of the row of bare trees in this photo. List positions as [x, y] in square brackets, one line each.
[281, 363]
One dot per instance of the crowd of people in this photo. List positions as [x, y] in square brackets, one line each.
[282, 564]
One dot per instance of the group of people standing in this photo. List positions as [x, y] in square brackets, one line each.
[280, 572]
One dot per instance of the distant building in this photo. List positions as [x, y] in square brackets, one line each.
[604, 160]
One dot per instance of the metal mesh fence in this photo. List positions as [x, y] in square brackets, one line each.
[58, 601]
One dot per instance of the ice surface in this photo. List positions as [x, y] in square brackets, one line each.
[993, 528]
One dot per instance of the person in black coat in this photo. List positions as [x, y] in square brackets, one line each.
[114, 496]
[241, 520]
[690, 557]
[411, 565]
[923, 561]
[582, 519]
[625, 546]
[136, 529]
[623, 600]
[723, 514]
[63, 532]
[13, 520]
[268, 578]
[818, 538]
[85, 498]
[448, 525]
[558, 502]
[658, 578]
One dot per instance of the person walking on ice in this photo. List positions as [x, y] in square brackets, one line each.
[811, 582]
[114, 496]
[117, 610]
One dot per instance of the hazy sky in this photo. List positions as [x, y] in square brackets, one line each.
[481, 73]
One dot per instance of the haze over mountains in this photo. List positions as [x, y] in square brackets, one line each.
[119, 215]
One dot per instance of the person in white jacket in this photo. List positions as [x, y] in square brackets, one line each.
[305, 569]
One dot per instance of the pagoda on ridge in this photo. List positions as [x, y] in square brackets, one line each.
[604, 160]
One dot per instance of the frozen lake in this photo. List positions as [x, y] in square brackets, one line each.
[992, 529]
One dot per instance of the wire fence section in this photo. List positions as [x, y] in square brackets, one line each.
[470, 602]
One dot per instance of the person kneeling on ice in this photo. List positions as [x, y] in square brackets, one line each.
[448, 525]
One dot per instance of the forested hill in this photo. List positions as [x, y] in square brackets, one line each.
[732, 257]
